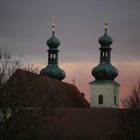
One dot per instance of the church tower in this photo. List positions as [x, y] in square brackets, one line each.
[104, 89]
[52, 70]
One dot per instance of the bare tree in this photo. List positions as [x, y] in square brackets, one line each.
[8, 65]
[130, 116]
[133, 100]
[10, 121]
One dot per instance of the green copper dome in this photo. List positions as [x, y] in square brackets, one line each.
[105, 40]
[53, 71]
[53, 42]
[104, 72]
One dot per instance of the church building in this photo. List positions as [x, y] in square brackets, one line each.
[104, 89]
[66, 113]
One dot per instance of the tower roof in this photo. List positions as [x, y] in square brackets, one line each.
[104, 70]
[53, 42]
[52, 69]
[105, 40]
[33, 90]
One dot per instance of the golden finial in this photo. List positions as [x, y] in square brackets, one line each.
[106, 23]
[53, 23]
[106, 20]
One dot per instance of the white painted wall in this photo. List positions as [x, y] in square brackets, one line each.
[108, 91]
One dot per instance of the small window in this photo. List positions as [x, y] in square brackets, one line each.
[100, 99]
[51, 55]
[54, 56]
[103, 53]
[114, 100]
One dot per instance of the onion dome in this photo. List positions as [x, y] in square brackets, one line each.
[53, 71]
[53, 42]
[105, 40]
[105, 72]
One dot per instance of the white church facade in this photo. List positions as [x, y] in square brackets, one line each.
[104, 94]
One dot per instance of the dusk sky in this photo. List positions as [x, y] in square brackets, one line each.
[25, 26]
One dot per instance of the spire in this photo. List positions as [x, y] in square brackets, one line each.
[106, 22]
[106, 25]
[105, 71]
[53, 25]
[105, 40]
[52, 70]
[53, 42]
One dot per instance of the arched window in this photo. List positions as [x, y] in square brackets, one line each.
[114, 100]
[54, 55]
[51, 55]
[100, 99]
